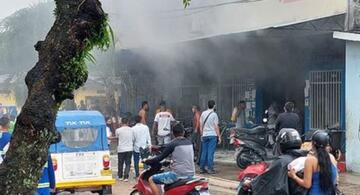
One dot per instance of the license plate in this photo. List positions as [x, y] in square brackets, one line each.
[204, 192]
[80, 165]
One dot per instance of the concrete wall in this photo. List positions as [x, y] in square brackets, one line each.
[142, 23]
[352, 98]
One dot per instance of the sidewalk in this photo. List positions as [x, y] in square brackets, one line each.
[349, 183]
[225, 157]
[222, 157]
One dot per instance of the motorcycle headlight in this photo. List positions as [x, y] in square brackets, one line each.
[198, 188]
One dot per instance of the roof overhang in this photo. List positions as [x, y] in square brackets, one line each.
[147, 23]
[347, 36]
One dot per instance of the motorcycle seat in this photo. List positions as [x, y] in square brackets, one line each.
[178, 183]
[253, 131]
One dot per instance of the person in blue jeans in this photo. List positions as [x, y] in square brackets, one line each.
[141, 139]
[210, 136]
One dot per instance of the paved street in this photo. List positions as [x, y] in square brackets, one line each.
[221, 183]
[124, 188]
[224, 182]
[225, 179]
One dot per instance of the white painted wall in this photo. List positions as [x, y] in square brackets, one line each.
[352, 98]
[140, 23]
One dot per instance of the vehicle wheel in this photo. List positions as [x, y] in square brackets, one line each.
[247, 157]
[136, 192]
[107, 190]
[101, 192]
[243, 192]
[194, 192]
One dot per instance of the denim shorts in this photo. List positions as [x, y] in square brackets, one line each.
[165, 178]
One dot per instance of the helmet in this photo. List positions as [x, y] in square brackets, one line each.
[289, 139]
[321, 139]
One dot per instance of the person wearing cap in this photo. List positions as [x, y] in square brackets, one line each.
[320, 172]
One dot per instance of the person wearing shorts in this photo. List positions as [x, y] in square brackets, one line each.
[162, 125]
[182, 158]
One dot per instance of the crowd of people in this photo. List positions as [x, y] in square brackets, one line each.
[320, 166]
[205, 137]
[320, 174]
[130, 139]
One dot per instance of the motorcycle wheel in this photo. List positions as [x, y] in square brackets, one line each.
[247, 157]
[194, 192]
[136, 192]
[243, 192]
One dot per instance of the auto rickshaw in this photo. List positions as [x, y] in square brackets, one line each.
[82, 159]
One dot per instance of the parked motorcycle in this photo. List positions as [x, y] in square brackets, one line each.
[253, 145]
[194, 186]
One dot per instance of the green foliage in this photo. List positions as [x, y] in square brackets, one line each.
[56, 11]
[186, 3]
[75, 71]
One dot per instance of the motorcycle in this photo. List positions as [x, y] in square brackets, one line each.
[253, 145]
[247, 175]
[193, 186]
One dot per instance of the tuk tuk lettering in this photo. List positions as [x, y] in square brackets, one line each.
[72, 123]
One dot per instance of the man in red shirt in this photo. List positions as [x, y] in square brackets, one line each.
[196, 134]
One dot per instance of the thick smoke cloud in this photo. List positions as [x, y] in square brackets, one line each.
[266, 55]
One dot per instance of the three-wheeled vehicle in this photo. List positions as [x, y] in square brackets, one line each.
[82, 159]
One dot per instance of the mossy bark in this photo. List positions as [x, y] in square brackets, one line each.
[76, 22]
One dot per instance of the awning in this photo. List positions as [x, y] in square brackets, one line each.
[142, 22]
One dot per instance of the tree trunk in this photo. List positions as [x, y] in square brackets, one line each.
[79, 25]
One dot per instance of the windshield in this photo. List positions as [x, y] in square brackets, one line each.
[79, 137]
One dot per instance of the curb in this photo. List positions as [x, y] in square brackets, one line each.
[223, 183]
[225, 162]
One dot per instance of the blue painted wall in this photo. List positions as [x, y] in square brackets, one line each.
[352, 99]
[323, 67]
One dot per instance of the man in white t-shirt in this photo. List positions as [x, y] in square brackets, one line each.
[141, 140]
[210, 136]
[162, 125]
[125, 137]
